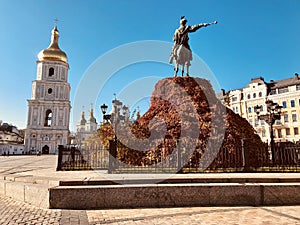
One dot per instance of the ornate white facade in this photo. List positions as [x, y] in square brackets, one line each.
[49, 106]
[285, 92]
[85, 128]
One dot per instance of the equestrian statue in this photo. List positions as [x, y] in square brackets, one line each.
[181, 51]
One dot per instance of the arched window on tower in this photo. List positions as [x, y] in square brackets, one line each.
[51, 71]
[48, 118]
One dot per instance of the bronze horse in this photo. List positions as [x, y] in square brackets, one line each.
[181, 51]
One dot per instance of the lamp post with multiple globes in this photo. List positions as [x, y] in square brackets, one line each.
[114, 118]
[273, 114]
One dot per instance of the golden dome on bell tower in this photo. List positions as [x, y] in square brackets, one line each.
[53, 52]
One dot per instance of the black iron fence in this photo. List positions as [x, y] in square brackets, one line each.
[88, 158]
[287, 155]
[118, 159]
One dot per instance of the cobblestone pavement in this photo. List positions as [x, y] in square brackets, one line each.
[14, 212]
[198, 215]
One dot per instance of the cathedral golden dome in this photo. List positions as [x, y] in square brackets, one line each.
[53, 52]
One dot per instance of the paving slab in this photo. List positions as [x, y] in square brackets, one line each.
[41, 171]
[14, 212]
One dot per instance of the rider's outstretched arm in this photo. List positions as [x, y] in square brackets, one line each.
[198, 26]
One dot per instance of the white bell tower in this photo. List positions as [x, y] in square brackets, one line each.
[49, 106]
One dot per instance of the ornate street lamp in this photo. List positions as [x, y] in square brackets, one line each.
[114, 119]
[112, 143]
[273, 114]
[106, 117]
[104, 108]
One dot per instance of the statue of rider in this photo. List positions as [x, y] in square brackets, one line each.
[181, 40]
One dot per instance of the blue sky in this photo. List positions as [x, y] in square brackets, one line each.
[253, 38]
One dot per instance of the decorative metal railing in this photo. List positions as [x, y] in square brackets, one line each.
[119, 159]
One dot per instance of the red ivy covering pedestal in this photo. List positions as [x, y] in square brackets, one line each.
[188, 105]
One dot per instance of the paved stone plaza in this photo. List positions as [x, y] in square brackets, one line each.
[16, 212]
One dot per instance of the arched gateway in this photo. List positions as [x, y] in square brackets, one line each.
[45, 149]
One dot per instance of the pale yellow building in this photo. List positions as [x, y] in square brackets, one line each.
[285, 92]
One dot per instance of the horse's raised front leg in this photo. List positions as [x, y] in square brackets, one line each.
[182, 70]
[187, 70]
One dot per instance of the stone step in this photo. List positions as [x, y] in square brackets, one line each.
[34, 194]
[173, 195]
[141, 193]
[30, 179]
[95, 181]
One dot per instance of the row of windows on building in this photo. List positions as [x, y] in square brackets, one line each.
[234, 99]
[278, 134]
[254, 95]
[284, 105]
[273, 92]
[236, 109]
[283, 90]
[292, 103]
[286, 119]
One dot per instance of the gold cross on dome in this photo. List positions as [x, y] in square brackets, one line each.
[55, 22]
